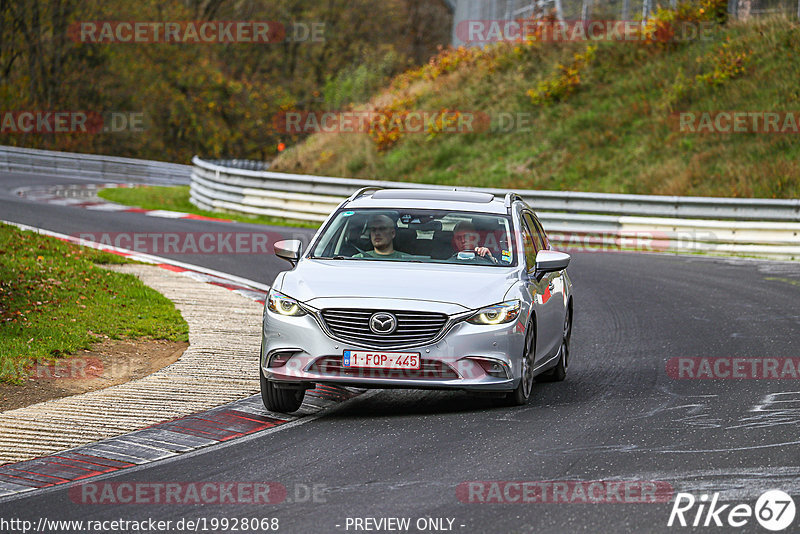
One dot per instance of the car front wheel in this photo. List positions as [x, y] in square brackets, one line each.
[521, 395]
[282, 400]
[559, 372]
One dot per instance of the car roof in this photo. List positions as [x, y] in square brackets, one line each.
[429, 199]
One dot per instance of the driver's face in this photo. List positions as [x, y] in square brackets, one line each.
[381, 232]
[466, 239]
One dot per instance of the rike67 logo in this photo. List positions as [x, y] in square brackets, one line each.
[774, 510]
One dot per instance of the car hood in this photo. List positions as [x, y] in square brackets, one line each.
[315, 282]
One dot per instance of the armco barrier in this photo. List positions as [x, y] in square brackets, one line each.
[104, 168]
[253, 187]
[750, 227]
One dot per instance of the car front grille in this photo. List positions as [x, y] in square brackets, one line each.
[413, 328]
[429, 370]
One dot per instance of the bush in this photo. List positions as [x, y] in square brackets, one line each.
[358, 82]
[564, 81]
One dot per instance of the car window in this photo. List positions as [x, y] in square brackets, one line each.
[536, 232]
[530, 247]
[542, 233]
[428, 236]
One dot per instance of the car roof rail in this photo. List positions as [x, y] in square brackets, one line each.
[511, 198]
[362, 191]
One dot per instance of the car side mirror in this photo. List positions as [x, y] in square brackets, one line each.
[548, 261]
[289, 250]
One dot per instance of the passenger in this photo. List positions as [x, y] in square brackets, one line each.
[466, 238]
[381, 232]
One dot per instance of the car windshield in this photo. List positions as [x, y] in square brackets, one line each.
[427, 236]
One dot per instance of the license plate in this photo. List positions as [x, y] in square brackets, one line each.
[381, 360]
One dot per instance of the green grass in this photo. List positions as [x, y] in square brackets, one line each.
[177, 199]
[54, 301]
[613, 134]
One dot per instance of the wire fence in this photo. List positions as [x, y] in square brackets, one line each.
[623, 10]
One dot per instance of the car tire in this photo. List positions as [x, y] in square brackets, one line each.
[559, 372]
[521, 395]
[282, 400]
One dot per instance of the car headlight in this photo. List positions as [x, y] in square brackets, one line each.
[505, 312]
[283, 305]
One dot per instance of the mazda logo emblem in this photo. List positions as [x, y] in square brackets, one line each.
[383, 323]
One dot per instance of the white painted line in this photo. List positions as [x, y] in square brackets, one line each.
[165, 214]
[107, 207]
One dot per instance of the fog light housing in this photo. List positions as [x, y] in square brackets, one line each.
[279, 359]
[492, 367]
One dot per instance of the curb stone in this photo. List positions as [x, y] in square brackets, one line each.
[195, 402]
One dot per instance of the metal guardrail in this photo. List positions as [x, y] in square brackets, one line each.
[14, 159]
[753, 227]
[255, 189]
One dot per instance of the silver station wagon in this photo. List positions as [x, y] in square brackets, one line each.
[404, 288]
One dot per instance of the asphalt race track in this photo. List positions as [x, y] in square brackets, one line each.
[619, 416]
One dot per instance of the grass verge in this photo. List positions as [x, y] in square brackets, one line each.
[177, 199]
[54, 301]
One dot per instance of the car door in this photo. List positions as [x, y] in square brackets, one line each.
[547, 294]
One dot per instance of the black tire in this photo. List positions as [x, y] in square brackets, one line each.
[559, 372]
[521, 395]
[280, 399]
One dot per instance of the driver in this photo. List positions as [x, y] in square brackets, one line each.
[465, 238]
[381, 232]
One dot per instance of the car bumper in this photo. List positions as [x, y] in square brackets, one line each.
[450, 363]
